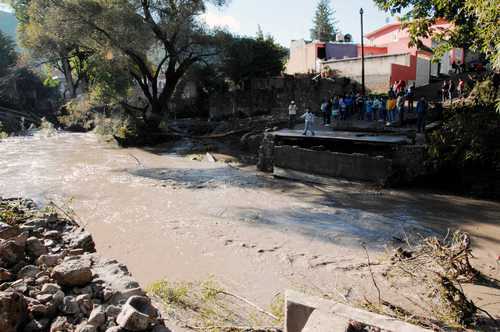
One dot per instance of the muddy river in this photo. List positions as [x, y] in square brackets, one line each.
[167, 216]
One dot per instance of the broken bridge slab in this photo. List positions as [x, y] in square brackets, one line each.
[305, 313]
[345, 136]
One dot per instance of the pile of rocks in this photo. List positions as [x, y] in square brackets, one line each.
[51, 280]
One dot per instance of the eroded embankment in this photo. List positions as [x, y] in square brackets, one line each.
[51, 279]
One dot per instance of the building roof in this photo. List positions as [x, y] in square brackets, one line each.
[384, 28]
[391, 26]
[366, 57]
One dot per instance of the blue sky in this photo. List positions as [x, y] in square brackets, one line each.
[291, 19]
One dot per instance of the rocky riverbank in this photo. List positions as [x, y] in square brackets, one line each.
[52, 280]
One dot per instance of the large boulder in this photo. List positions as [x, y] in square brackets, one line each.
[35, 247]
[137, 314]
[10, 253]
[49, 260]
[7, 231]
[13, 311]
[75, 272]
[82, 240]
[29, 271]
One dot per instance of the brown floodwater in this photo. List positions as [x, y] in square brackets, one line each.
[168, 216]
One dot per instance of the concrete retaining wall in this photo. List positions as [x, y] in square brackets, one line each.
[333, 164]
[378, 69]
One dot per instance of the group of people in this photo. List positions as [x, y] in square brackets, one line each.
[390, 108]
[449, 89]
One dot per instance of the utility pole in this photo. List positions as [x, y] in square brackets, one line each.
[363, 89]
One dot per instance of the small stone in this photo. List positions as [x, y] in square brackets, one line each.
[49, 260]
[7, 231]
[52, 218]
[58, 297]
[35, 247]
[85, 303]
[69, 306]
[83, 290]
[137, 314]
[38, 310]
[52, 235]
[36, 223]
[107, 294]
[42, 280]
[49, 243]
[84, 327]
[13, 311]
[50, 289]
[84, 241]
[72, 273]
[97, 316]
[44, 298]
[112, 311]
[5, 275]
[61, 324]
[29, 271]
[37, 325]
[76, 252]
[114, 329]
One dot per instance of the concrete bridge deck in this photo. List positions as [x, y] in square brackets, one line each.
[345, 136]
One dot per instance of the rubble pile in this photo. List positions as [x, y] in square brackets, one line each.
[51, 279]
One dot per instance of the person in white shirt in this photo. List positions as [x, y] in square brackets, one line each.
[292, 114]
[309, 121]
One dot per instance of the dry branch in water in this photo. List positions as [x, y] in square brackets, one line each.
[441, 265]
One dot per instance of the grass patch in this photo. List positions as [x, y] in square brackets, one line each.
[207, 306]
[11, 215]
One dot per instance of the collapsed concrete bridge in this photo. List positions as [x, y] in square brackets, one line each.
[380, 157]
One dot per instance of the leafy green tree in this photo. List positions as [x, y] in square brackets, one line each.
[159, 39]
[475, 23]
[8, 55]
[50, 42]
[244, 58]
[325, 24]
[260, 33]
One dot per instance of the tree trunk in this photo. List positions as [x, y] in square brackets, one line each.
[68, 76]
[154, 116]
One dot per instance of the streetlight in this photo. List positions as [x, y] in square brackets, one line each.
[363, 89]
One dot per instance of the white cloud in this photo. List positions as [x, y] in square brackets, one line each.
[215, 20]
[6, 8]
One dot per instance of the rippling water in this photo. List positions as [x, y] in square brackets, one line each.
[125, 187]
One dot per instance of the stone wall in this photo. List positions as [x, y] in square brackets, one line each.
[273, 95]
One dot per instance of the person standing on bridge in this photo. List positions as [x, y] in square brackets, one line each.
[308, 116]
[292, 114]
[422, 107]
[325, 111]
[400, 103]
